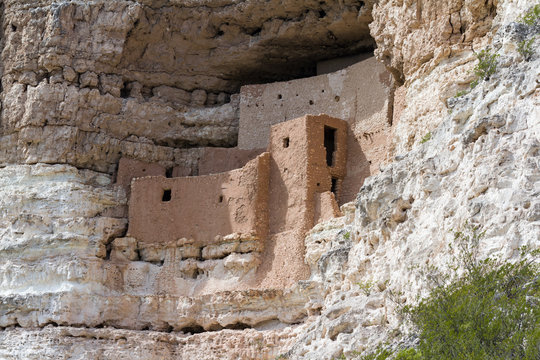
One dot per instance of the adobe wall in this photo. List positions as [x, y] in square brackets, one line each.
[298, 173]
[299, 170]
[200, 208]
[129, 169]
[360, 94]
[216, 160]
[258, 214]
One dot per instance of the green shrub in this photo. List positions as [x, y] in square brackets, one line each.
[525, 48]
[487, 64]
[426, 138]
[530, 17]
[409, 354]
[489, 312]
[379, 354]
[461, 93]
[366, 287]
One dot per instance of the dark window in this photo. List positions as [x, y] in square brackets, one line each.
[286, 142]
[330, 144]
[221, 198]
[169, 172]
[334, 186]
[166, 195]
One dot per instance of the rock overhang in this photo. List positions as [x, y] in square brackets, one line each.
[212, 45]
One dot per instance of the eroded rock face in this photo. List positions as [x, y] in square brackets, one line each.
[430, 47]
[190, 45]
[87, 83]
[480, 166]
[417, 35]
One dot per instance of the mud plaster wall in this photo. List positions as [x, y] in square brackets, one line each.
[216, 160]
[128, 169]
[298, 171]
[200, 208]
[360, 94]
[325, 207]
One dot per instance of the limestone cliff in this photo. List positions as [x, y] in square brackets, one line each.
[86, 83]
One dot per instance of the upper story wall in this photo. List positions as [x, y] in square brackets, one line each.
[353, 94]
[163, 209]
[361, 94]
[301, 166]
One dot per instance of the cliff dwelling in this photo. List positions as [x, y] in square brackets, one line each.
[256, 180]
[238, 221]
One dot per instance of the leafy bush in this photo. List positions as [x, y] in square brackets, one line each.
[409, 354]
[366, 287]
[379, 354]
[487, 64]
[530, 17]
[489, 312]
[426, 138]
[525, 48]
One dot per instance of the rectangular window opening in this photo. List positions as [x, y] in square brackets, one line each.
[286, 142]
[334, 186]
[330, 144]
[167, 194]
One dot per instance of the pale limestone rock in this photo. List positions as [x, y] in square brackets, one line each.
[480, 166]
[69, 74]
[124, 249]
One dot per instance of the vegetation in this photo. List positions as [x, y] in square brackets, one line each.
[530, 17]
[490, 311]
[525, 48]
[366, 287]
[426, 138]
[379, 354]
[487, 64]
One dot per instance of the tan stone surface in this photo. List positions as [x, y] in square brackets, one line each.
[212, 46]
[336, 64]
[110, 343]
[326, 207]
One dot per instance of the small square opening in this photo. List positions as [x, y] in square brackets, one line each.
[286, 142]
[221, 198]
[167, 194]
